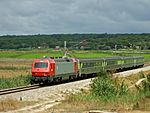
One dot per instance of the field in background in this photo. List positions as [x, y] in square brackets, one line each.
[10, 67]
[15, 70]
[38, 53]
[18, 62]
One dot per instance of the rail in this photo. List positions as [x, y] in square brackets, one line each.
[24, 88]
[18, 89]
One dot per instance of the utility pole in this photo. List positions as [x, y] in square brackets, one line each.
[65, 47]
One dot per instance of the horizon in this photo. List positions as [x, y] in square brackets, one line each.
[74, 34]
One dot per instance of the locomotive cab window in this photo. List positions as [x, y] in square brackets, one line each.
[41, 65]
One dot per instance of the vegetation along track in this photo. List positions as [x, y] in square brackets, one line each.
[18, 89]
[23, 88]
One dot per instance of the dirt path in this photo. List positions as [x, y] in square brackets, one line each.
[36, 108]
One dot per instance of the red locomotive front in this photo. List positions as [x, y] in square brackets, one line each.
[42, 70]
[48, 70]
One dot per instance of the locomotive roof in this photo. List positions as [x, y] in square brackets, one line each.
[58, 59]
[64, 60]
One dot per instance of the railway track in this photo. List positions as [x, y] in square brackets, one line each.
[25, 88]
[18, 89]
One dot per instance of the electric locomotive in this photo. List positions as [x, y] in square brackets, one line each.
[47, 70]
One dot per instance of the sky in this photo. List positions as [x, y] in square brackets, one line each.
[18, 17]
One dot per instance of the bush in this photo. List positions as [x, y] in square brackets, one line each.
[104, 87]
[146, 85]
[109, 93]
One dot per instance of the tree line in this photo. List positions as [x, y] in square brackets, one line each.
[77, 41]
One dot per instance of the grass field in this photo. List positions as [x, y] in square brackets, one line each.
[39, 54]
[14, 72]
[15, 68]
[10, 67]
[18, 62]
[30, 54]
[112, 94]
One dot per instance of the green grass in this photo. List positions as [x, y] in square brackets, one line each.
[39, 55]
[8, 55]
[105, 93]
[15, 81]
[36, 54]
[78, 54]
[104, 87]
[28, 55]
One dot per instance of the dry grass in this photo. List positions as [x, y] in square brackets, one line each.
[132, 79]
[80, 106]
[13, 73]
[9, 104]
[134, 111]
[147, 63]
[10, 67]
[74, 107]
[13, 62]
[146, 72]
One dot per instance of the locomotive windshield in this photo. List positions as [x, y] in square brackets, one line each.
[41, 65]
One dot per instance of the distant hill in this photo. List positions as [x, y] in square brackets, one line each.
[77, 41]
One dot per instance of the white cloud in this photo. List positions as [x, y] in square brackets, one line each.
[74, 16]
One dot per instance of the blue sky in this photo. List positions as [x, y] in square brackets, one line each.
[74, 16]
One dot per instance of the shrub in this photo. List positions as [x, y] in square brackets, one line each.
[146, 85]
[104, 87]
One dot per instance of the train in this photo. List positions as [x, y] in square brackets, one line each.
[47, 70]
